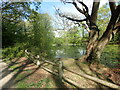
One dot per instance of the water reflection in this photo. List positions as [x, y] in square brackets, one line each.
[67, 52]
[109, 57]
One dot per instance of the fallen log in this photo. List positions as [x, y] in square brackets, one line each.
[66, 79]
[111, 85]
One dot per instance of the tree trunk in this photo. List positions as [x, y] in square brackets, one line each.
[91, 44]
[95, 47]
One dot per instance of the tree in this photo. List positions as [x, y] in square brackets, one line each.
[13, 25]
[103, 20]
[96, 43]
[71, 33]
[41, 35]
[24, 28]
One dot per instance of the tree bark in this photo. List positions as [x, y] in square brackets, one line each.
[93, 33]
[95, 47]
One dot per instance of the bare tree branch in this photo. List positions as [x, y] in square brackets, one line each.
[80, 10]
[87, 10]
[73, 18]
[70, 18]
[90, 20]
[84, 11]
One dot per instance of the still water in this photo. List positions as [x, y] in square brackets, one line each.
[67, 51]
[109, 57]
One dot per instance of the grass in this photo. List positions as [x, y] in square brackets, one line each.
[110, 56]
[43, 83]
[40, 83]
[21, 84]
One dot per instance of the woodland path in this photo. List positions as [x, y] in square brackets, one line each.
[5, 76]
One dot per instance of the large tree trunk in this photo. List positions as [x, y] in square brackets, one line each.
[95, 47]
[91, 45]
[93, 33]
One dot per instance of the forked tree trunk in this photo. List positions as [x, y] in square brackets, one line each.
[95, 47]
[91, 45]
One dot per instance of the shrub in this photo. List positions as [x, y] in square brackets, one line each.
[16, 51]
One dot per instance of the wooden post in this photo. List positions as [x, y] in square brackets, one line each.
[61, 67]
[60, 71]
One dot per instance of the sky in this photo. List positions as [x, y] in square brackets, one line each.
[48, 6]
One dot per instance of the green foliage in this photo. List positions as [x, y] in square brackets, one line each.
[73, 36]
[42, 36]
[35, 34]
[59, 41]
[13, 26]
[103, 18]
[116, 38]
[16, 51]
[110, 56]
[12, 33]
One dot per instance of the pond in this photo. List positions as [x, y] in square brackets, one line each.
[68, 51]
[109, 57]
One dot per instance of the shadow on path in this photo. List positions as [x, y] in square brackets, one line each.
[17, 71]
[58, 82]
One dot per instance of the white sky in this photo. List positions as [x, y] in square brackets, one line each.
[72, 10]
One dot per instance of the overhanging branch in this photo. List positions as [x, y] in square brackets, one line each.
[70, 18]
[80, 10]
[85, 9]
[84, 6]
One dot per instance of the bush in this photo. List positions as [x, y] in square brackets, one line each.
[16, 51]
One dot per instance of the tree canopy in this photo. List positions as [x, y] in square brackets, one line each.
[23, 25]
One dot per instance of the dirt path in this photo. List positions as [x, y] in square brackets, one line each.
[5, 76]
[25, 72]
[79, 68]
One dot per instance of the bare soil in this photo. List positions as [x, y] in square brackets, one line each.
[35, 74]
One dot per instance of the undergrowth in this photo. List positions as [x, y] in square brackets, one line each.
[15, 51]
